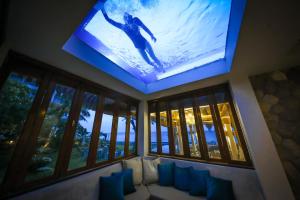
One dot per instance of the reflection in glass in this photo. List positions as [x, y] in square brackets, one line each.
[16, 98]
[177, 132]
[120, 143]
[164, 132]
[231, 134]
[192, 133]
[83, 132]
[105, 131]
[132, 130]
[50, 137]
[153, 132]
[210, 133]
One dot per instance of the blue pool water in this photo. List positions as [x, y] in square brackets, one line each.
[189, 33]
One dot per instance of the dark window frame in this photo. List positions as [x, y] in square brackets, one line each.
[212, 102]
[49, 76]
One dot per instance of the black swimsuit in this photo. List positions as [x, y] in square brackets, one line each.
[133, 32]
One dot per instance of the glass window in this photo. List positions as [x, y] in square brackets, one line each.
[51, 134]
[83, 133]
[210, 132]
[177, 132]
[198, 118]
[105, 131]
[121, 131]
[16, 98]
[192, 132]
[153, 132]
[132, 130]
[164, 131]
[230, 131]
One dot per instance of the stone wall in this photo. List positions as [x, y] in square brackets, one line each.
[278, 94]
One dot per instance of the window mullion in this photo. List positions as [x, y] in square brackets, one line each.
[200, 132]
[127, 132]
[96, 131]
[113, 141]
[185, 139]
[149, 129]
[137, 129]
[68, 138]
[220, 132]
[239, 130]
[170, 132]
[158, 131]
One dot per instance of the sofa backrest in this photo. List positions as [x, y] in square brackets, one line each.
[245, 182]
[85, 186]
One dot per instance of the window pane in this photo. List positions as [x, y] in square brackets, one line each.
[192, 133]
[153, 132]
[105, 131]
[16, 98]
[120, 143]
[231, 134]
[132, 130]
[164, 132]
[177, 132]
[50, 137]
[83, 131]
[210, 133]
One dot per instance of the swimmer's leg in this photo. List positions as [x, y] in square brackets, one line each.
[145, 56]
[152, 55]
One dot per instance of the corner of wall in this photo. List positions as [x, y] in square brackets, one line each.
[266, 161]
[143, 129]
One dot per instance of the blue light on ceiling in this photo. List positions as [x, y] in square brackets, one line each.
[156, 44]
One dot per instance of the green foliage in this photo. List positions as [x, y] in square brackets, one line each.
[15, 100]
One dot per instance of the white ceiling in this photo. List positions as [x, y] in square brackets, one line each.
[269, 32]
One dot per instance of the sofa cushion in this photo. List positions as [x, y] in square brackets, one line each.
[141, 193]
[111, 187]
[218, 188]
[127, 180]
[198, 180]
[136, 165]
[166, 174]
[170, 193]
[150, 170]
[182, 178]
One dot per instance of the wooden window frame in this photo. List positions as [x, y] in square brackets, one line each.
[222, 143]
[149, 129]
[48, 76]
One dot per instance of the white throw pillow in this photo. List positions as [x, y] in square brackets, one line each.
[150, 170]
[136, 165]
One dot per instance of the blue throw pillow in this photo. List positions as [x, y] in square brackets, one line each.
[198, 186]
[182, 178]
[165, 174]
[127, 180]
[219, 189]
[111, 188]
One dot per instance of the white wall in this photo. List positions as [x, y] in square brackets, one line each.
[264, 155]
[40, 28]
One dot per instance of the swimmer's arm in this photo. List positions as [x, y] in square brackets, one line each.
[140, 23]
[112, 22]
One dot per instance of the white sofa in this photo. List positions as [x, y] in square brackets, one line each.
[245, 185]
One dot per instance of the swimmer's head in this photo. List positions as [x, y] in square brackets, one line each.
[127, 18]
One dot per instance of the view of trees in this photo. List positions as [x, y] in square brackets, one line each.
[51, 134]
[16, 98]
[83, 132]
